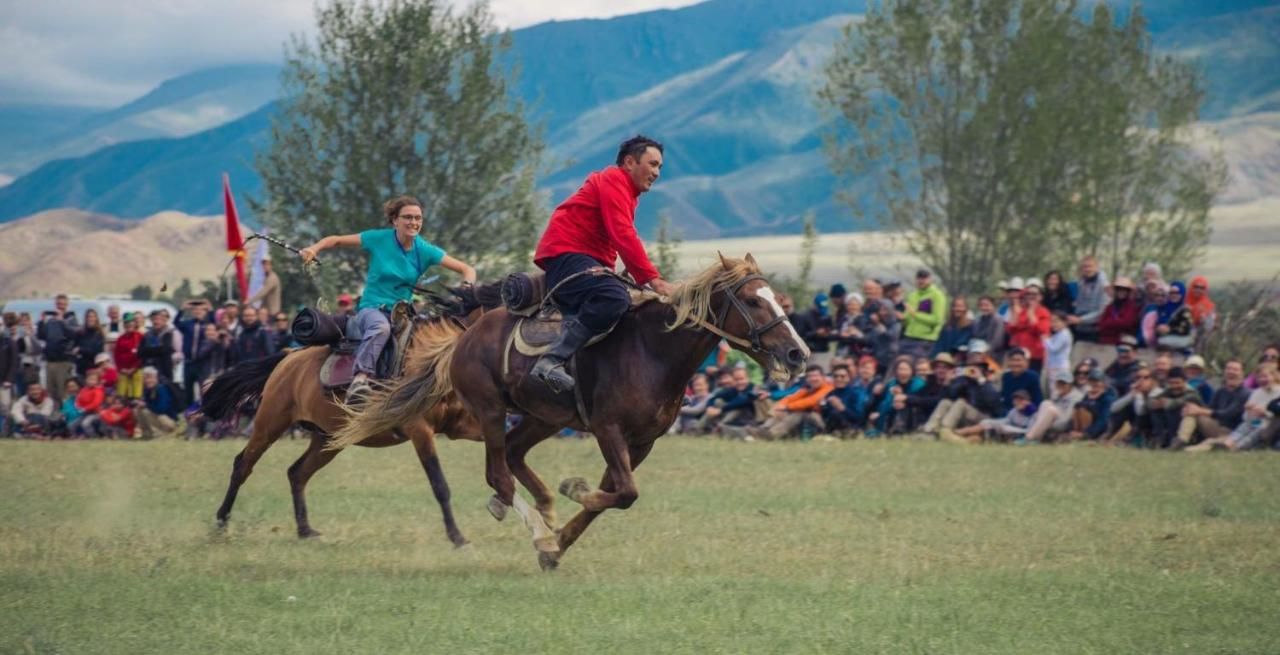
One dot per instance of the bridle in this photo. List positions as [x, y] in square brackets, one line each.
[755, 331]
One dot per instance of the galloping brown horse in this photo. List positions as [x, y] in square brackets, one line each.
[632, 385]
[290, 391]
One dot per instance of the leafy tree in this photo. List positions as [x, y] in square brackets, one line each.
[401, 96]
[800, 287]
[666, 255]
[1012, 136]
[140, 292]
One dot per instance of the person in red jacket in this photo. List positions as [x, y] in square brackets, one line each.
[89, 402]
[128, 361]
[590, 230]
[1029, 325]
[1122, 316]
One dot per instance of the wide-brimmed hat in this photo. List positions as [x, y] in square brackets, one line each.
[1015, 283]
[1194, 361]
[944, 358]
[1123, 282]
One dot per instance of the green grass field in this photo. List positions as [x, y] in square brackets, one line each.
[857, 547]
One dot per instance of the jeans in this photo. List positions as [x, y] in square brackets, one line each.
[375, 329]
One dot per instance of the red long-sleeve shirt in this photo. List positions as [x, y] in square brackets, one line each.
[599, 220]
[126, 352]
[1027, 331]
[89, 400]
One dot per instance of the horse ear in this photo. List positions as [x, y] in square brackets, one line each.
[751, 260]
[723, 262]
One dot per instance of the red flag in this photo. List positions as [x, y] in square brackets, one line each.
[235, 245]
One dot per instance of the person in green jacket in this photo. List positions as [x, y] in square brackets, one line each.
[926, 312]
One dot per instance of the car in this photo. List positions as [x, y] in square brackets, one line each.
[38, 306]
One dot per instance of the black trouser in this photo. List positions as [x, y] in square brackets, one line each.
[597, 301]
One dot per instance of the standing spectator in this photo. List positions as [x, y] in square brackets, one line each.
[1218, 417]
[254, 341]
[1176, 330]
[925, 310]
[817, 328]
[1203, 312]
[1057, 296]
[894, 293]
[114, 327]
[127, 358]
[191, 322]
[161, 346]
[1150, 277]
[1053, 418]
[844, 409]
[1257, 414]
[1057, 347]
[91, 340]
[989, 327]
[1029, 325]
[88, 403]
[9, 366]
[1017, 376]
[267, 300]
[157, 411]
[852, 328]
[57, 330]
[282, 337]
[230, 318]
[1194, 367]
[958, 331]
[798, 409]
[30, 349]
[1157, 298]
[837, 295]
[1090, 293]
[872, 294]
[1120, 318]
[884, 334]
[1092, 415]
[1120, 373]
[211, 359]
[33, 414]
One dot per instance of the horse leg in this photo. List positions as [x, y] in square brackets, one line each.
[617, 457]
[424, 442]
[266, 430]
[314, 459]
[519, 443]
[578, 524]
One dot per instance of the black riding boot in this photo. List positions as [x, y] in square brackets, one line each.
[550, 368]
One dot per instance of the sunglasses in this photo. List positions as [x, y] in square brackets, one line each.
[1124, 349]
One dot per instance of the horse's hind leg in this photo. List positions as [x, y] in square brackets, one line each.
[519, 442]
[424, 442]
[314, 459]
[267, 427]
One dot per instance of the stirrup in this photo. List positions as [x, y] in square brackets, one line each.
[553, 374]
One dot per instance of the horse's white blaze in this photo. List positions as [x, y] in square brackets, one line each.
[767, 294]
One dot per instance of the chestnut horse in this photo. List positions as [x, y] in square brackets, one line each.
[288, 385]
[632, 384]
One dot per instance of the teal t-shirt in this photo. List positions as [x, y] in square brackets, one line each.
[394, 270]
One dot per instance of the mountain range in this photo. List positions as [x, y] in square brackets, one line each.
[728, 85]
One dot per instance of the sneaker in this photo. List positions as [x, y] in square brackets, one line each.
[358, 390]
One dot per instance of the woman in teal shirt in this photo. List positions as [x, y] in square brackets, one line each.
[398, 256]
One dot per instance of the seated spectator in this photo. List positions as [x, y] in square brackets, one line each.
[738, 359]
[923, 403]
[1203, 312]
[117, 419]
[968, 399]
[34, 413]
[989, 327]
[1195, 378]
[1120, 373]
[925, 311]
[1177, 331]
[1167, 406]
[127, 358]
[844, 409]
[1092, 414]
[797, 411]
[1119, 318]
[157, 412]
[1131, 417]
[695, 405]
[1028, 326]
[106, 371]
[1161, 367]
[1259, 412]
[68, 413]
[1057, 296]
[891, 397]
[733, 405]
[1218, 417]
[1081, 375]
[1013, 424]
[1270, 357]
[867, 374]
[1054, 416]
[1018, 376]
[884, 334]
[958, 331]
[1057, 347]
[88, 402]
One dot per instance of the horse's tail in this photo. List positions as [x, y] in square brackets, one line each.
[426, 381]
[238, 385]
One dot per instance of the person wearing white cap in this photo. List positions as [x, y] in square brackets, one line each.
[1053, 420]
[1194, 367]
[269, 295]
[1012, 291]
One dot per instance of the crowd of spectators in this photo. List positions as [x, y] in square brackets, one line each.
[1047, 361]
[126, 375]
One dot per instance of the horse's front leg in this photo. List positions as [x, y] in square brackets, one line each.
[579, 523]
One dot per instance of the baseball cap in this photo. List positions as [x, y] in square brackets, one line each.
[837, 290]
[1097, 374]
[1129, 341]
[923, 272]
[1023, 394]
[1015, 283]
[230, 303]
[1062, 376]
[101, 358]
[1194, 361]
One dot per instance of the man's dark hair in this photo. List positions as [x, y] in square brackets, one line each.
[1177, 372]
[813, 367]
[841, 367]
[635, 146]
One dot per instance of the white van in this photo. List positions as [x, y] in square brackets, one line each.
[37, 306]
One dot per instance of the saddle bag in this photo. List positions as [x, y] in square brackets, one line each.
[314, 328]
[522, 292]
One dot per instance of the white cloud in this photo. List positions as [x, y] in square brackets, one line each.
[105, 52]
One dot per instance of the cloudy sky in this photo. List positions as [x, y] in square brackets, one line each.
[106, 52]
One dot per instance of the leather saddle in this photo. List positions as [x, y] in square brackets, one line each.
[339, 367]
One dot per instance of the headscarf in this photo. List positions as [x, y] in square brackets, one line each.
[1166, 311]
[1199, 302]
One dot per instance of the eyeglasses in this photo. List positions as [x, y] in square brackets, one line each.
[1144, 376]
[1079, 373]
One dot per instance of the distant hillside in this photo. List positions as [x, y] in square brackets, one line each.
[67, 250]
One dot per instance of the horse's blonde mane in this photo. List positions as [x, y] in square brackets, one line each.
[691, 298]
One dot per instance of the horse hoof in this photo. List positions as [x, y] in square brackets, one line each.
[547, 545]
[574, 488]
[308, 533]
[221, 524]
[497, 508]
[548, 561]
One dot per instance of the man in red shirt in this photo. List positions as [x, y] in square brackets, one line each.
[592, 229]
